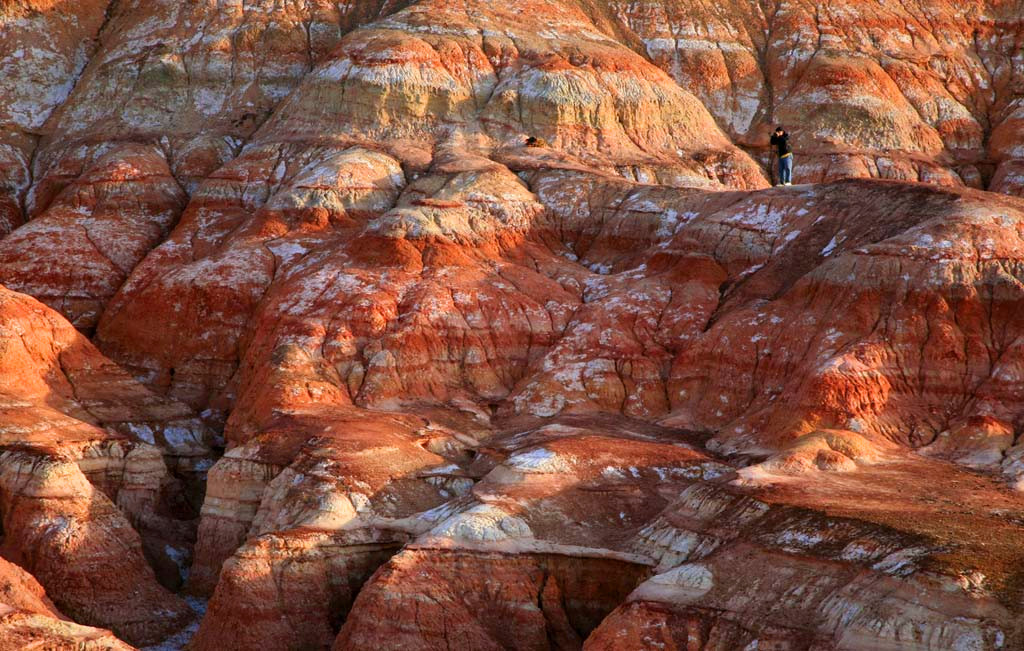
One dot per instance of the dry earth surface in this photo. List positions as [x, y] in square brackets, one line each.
[302, 348]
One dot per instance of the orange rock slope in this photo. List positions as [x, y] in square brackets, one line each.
[302, 347]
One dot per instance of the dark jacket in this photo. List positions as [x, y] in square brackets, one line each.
[781, 144]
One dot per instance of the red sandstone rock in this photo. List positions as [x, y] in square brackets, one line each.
[607, 392]
[28, 620]
[647, 125]
[327, 498]
[191, 83]
[865, 577]
[921, 91]
[542, 547]
[44, 46]
[79, 468]
[734, 250]
[19, 591]
[101, 224]
[26, 631]
[327, 345]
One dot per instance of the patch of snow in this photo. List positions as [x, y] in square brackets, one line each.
[900, 563]
[180, 640]
[443, 470]
[763, 218]
[539, 460]
[179, 437]
[484, 523]
[611, 472]
[142, 432]
[799, 538]
[287, 251]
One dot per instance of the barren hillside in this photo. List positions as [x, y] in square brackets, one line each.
[303, 347]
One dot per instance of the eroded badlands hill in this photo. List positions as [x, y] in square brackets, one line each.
[302, 348]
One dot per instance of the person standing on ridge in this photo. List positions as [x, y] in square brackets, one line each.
[780, 140]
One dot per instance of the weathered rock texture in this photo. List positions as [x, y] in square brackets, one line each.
[296, 323]
[28, 620]
[922, 90]
[79, 466]
[44, 47]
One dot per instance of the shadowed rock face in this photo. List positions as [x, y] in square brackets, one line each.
[28, 618]
[303, 347]
[44, 47]
[85, 493]
[103, 223]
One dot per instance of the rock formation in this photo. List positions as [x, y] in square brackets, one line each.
[85, 492]
[918, 90]
[303, 347]
[44, 47]
[29, 620]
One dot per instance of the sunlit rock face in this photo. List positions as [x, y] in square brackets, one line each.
[928, 90]
[304, 345]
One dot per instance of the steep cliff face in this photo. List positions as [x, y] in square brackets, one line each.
[85, 493]
[296, 323]
[29, 620]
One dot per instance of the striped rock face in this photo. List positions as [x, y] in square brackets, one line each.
[87, 501]
[926, 90]
[305, 345]
[27, 618]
